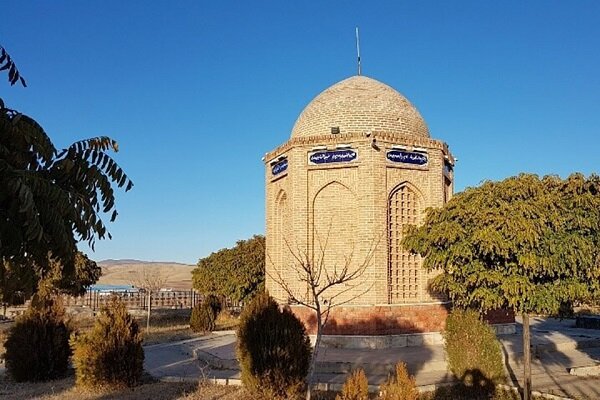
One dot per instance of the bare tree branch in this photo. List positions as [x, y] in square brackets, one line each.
[327, 286]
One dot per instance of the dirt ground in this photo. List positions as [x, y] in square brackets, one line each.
[65, 389]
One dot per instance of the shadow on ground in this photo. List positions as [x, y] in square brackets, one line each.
[557, 345]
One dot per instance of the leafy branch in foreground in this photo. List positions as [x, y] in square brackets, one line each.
[7, 64]
[50, 199]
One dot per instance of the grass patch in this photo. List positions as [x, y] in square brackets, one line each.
[166, 325]
[460, 392]
[64, 389]
[171, 327]
[4, 327]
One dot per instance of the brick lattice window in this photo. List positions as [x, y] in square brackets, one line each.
[404, 268]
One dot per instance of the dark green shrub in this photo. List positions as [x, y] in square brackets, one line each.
[356, 387]
[111, 354]
[399, 386]
[37, 347]
[214, 303]
[204, 315]
[203, 318]
[473, 352]
[273, 350]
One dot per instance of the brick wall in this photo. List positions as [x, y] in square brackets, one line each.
[378, 320]
[338, 214]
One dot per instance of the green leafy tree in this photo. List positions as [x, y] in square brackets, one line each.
[19, 281]
[50, 199]
[525, 243]
[237, 273]
[74, 280]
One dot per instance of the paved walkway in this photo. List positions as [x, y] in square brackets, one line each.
[557, 346]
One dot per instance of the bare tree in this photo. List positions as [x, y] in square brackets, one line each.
[324, 287]
[151, 281]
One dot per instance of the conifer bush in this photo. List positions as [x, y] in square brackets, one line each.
[111, 354]
[203, 318]
[356, 387]
[273, 350]
[204, 315]
[37, 347]
[472, 349]
[399, 386]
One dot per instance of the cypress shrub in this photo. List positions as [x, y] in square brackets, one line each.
[356, 387]
[215, 304]
[203, 318]
[37, 347]
[111, 354]
[204, 315]
[480, 362]
[273, 350]
[400, 386]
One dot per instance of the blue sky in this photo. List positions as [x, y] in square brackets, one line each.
[196, 92]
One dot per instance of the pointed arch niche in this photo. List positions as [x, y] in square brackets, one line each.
[282, 231]
[405, 276]
[334, 223]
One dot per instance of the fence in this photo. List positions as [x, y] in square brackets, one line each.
[137, 300]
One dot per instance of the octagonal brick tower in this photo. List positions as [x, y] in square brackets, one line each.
[360, 165]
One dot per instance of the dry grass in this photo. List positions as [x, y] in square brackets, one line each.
[171, 327]
[4, 327]
[164, 334]
[227, 321]
[165, 326]
[65, 389]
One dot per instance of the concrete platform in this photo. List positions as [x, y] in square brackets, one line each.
[558, 347]
[396, 341]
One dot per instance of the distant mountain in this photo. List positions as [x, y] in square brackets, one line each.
[128, 271]
[126, 261]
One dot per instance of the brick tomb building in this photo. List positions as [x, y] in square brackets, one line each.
[359, 167]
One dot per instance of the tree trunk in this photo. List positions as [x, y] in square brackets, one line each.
[313, 362]
[526, 358]
[149, 307]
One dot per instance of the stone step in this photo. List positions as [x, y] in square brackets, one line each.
[374, 367]
[342, 361]
[425, 381]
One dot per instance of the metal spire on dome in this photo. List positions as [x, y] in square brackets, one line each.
[358, 50]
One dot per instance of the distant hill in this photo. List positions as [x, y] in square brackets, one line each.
[125, 272]
[124, 261]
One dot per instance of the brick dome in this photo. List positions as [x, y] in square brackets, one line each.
[360, 104]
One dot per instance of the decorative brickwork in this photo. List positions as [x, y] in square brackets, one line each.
[338, 210]
[359, 104]
[405, 272]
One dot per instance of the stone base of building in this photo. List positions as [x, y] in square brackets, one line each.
[395, 341]
[386, 326]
